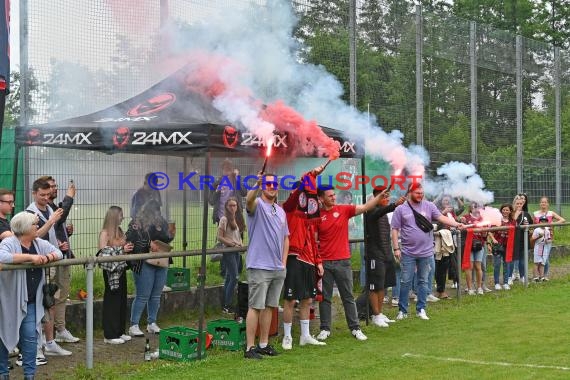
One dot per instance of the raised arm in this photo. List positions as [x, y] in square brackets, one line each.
[370, 204]
[251, 198]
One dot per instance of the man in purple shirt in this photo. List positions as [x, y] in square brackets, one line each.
[265, 262]
[416, 248]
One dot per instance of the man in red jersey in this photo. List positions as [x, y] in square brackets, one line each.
[303, 261]
[335, 253]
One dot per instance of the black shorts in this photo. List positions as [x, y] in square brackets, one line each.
[381, 274]
[300, 282]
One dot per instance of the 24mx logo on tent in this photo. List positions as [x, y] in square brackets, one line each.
[36, 137]
[159, 138]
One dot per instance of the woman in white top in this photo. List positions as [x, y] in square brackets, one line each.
[230, 231]
[552, 217]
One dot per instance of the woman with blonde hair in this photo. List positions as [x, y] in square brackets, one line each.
[552, 217]
[112, 242]
[521, 218]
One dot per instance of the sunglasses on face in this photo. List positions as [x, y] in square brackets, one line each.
[274, 185]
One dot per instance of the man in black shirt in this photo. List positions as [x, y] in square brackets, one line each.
[47, 219]
[380, 270]
[61, 275]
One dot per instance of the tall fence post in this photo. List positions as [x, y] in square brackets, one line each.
[557, 130]
[352, 51]
[89, 316]
[473, 89]
[519, 113]
[419, 78]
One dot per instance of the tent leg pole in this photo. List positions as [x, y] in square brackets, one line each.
[185, 215]
[202, 274]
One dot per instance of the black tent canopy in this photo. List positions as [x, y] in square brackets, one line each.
[171, 117]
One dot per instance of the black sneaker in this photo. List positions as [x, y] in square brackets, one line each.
[267, 350]
[227, 310]
[252, 353]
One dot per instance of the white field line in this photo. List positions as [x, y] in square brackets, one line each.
[480, 362]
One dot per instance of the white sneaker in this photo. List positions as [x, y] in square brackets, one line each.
[40, 354]
[395, 302]
[39, 360]
[114, 341]
[401, 316]
[516, 277]
[323, 335]
[287, 343]
[422, 315]
[359, 335]
[506, 287]
[304, 340]
[166, 288]
[65, 337]
[486, 289]
[510, 282]
[454, 286]
[522, 280]
[471, 292]
[385, 318]
[54, 349]
[497, 286]
[480, 291]
[153, 328]
[379, 321]
[135, 331]
[386, 299]
[432, 298]
[125, 337]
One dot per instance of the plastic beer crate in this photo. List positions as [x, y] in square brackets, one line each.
[179, 343]
[227, 334]
[178, 278]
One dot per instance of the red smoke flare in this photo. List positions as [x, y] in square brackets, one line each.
[308, 136]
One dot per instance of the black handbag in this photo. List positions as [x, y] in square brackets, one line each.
[49, 291]
[422, 222]
[476, 246]
[498, 250]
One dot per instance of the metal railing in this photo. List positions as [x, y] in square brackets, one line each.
[90, 262]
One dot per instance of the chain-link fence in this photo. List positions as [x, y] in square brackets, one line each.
[465, 91]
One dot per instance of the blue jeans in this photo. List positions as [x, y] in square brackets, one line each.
[28, 343]
[231, 264]
[431, 275]
[408, 265]
[148, 283]
[396, 288]
[497, 260]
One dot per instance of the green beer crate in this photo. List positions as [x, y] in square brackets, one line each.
[178, 278]
[228, 334]
[179, 343]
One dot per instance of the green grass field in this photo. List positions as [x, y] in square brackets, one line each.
[519, 334]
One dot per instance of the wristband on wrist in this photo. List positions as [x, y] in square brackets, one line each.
[397, 249]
